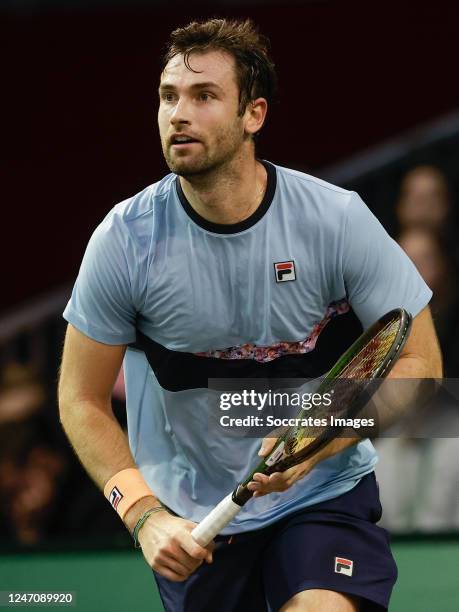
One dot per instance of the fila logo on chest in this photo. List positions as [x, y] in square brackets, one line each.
[284, 271]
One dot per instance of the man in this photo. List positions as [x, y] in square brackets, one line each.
[182, 274]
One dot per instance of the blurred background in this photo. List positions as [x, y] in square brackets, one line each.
[367, 100]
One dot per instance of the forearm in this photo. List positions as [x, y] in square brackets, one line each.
[409, 386]
[415, 366]
[102, 447]
[97, 438]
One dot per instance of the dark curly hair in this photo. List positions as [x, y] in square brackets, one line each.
[255, 72]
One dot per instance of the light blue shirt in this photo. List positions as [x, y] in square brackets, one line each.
[206, 293]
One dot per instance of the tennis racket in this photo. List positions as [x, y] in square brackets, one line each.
[368, 360]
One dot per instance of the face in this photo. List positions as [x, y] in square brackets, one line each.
[424, 252]
[198, 118]
[424, 201]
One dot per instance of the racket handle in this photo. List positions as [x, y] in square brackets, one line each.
[214, 522]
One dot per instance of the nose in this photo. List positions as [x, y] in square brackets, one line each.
[181, 113]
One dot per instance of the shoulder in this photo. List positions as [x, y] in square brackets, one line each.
[288, 177]
[132, 218]
[314, 199]
[142, 204]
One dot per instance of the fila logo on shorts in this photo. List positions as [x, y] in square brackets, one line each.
[284, 271]
[115, 497]
[343, 566]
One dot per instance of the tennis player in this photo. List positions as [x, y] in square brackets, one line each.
[232, 266]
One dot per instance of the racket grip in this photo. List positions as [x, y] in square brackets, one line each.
[214, 522]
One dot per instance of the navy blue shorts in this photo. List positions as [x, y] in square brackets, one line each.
[335, 545]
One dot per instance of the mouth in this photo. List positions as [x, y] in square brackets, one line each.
[180, 142]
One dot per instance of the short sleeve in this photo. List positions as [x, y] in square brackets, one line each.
[378, 275]
[102, 306]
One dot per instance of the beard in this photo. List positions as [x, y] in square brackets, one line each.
[195, 164]
[208, 159]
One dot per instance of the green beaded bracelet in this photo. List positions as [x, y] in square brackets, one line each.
[141, 521]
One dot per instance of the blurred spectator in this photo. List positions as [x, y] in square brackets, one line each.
[45, 496]
[424, 200]
[425, 203]
[30, 469]
[428, 253]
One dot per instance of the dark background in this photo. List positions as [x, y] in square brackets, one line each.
[80, 80]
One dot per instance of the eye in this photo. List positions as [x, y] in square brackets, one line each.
[205, 96]
[167, 96]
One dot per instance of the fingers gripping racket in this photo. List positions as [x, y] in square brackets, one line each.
[370, 357]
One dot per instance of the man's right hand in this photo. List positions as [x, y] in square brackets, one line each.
[169, 548]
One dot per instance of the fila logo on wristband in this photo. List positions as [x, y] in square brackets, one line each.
[344, 566]
[130, 481]
[284, 271]
[115, 497]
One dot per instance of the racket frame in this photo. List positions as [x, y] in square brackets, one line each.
[241, 494]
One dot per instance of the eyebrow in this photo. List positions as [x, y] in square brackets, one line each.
[207, 84]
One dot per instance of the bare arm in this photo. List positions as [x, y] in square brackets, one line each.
[421, 355]
[88, 373]
[420, 358]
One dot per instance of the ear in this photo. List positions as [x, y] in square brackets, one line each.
[255, 115]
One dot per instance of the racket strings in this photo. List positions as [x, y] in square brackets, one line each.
[372, 355]
[348, 385]
[363, 367]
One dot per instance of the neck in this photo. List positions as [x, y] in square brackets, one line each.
[228, 194]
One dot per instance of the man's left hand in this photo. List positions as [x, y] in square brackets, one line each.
[279, 481]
